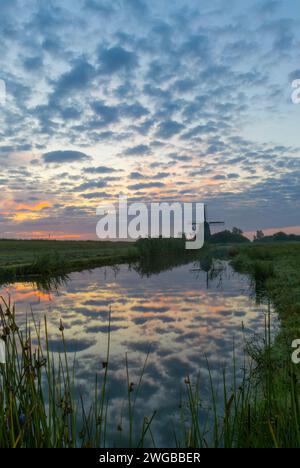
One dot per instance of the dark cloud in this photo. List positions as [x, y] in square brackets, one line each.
[184, 85]
[61, 157]
[143, 320]
[140, 7]
[99, 170]
[70, 113]
[76, 79]
[134, 111]
[115, 59]
[73, 346]
[92, 184]
[294, 75]
[161, 175]
[104, 328]
[197, 45]
[146, 185]
[168, 129]
[107, 114]
[270, 6]
[137, 175]
[141, 308]
[95, 195]
[98, 6]
[33, 63]
[139, 150]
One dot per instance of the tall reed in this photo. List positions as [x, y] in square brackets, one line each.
[39, 404]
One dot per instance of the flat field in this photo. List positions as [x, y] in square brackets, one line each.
[20, 258]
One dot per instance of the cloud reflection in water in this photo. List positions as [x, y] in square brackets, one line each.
[172, 314]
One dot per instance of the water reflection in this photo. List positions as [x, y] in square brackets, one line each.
[183, 315]
[148, 266]
[42, 283]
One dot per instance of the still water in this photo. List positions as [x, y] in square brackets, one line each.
[183, 316]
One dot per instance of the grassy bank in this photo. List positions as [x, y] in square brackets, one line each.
[42, 259]
[275, 273]
[21, 259]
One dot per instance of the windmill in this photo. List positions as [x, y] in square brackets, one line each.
[206, 262]
[207, 224]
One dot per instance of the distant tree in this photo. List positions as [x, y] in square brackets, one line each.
[280, 236]
[237, 231]
[227, 237]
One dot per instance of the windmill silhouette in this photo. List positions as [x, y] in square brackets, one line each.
[207, 224]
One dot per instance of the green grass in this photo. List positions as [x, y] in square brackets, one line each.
[43, 259]
[275, 272]
[275, 268]
[33, 258]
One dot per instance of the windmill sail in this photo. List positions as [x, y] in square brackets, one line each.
[207, 224]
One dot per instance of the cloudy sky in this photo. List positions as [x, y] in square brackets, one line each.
[182, 100]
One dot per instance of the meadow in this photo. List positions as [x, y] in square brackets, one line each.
[21, 259]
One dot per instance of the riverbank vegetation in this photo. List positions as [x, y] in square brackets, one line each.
[275, 272]
[44, 260]
[26, 259]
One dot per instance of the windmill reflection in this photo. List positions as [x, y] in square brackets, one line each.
[212, 267]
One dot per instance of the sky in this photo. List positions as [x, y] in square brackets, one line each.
[178, 100]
